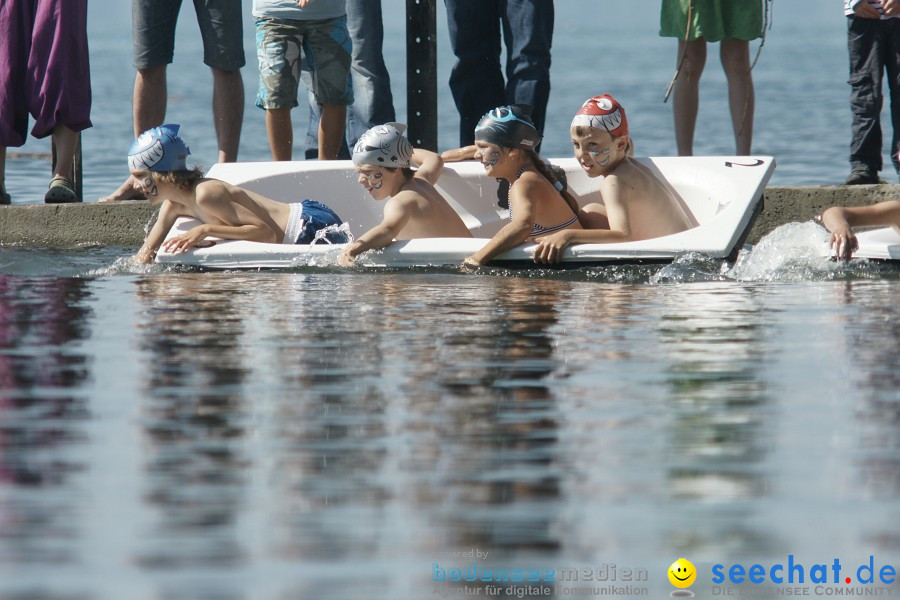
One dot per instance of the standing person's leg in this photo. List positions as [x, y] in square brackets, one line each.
[891, 53]
[150, 95]
[4, 195]
[153, 31]
[280, 131]
[328, 50]
[223, 50]
[228, 112]
[278, 49]
[373, 102]
[476, 80]
[332, 123]
[15, 46]
[59, 93]
[528, 32]
[735, 55]
[866, 99]
[65, 140]
[686, 95]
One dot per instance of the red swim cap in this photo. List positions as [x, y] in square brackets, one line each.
[602, 112]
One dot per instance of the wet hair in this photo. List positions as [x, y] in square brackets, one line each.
[557, 178]
[407, 172]
[182, 179]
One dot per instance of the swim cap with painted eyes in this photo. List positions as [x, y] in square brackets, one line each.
[602, 112]
[509, 127]
[383, 146]
[159, 149]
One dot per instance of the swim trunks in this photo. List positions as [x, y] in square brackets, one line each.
[307, 218]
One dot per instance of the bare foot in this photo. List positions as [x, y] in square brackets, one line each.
[126, 191]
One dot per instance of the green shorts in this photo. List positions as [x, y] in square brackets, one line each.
[282, 46]
[712, 20]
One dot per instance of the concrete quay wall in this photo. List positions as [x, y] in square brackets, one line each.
[124, 223]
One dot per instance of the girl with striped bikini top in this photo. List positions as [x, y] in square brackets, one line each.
[505, 142]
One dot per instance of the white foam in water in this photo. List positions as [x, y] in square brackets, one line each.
[329, 258]
[791, 252]
[342, 228]
[690, 267]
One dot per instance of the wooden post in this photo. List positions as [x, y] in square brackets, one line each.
[421, 73]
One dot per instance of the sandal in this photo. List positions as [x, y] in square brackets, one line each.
[61, 191]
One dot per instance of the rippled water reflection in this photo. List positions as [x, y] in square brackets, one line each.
[268, 435]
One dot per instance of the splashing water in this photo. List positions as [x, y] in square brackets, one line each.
[329, 257]
[789, 253]
[792, 253]
[343, 228]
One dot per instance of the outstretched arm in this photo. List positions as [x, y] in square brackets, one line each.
[168, 213]
[513, 233]
[430, 165]
[220, 220]
[458, 154]
[840, 221]
[550, 247]
[396, 215]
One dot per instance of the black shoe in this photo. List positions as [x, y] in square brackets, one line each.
[4, 197]
[861, 176]
[61, 191]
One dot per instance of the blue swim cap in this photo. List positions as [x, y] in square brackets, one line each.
[383, 146]
[509, 127]
[159, 149]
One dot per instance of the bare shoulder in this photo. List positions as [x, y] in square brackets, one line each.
[407, 199]
[173, 210]
[213, 190]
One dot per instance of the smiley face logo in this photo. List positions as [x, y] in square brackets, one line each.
[682, 573]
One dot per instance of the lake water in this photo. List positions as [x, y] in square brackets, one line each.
[319, 433]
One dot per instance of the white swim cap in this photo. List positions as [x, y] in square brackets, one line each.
[383, 146]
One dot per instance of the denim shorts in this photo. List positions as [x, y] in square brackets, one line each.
[283, 44]
[317, 216]
[153, 23]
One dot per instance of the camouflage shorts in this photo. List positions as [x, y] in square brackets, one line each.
[285, 47]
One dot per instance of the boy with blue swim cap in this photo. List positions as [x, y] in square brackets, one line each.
[383, 157]
[158, 162]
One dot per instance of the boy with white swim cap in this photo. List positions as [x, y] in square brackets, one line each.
[413, 209]
[636, 204]
[158, 163]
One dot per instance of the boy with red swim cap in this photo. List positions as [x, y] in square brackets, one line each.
[636, 204]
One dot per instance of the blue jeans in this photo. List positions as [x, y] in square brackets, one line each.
[477, 80]
[874, 48]
[373, 103]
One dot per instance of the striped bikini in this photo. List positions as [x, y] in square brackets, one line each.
[537, 229]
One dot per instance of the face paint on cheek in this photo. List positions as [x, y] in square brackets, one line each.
[373, 181]
[150, 187]
[595, 154]
[492, 159]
